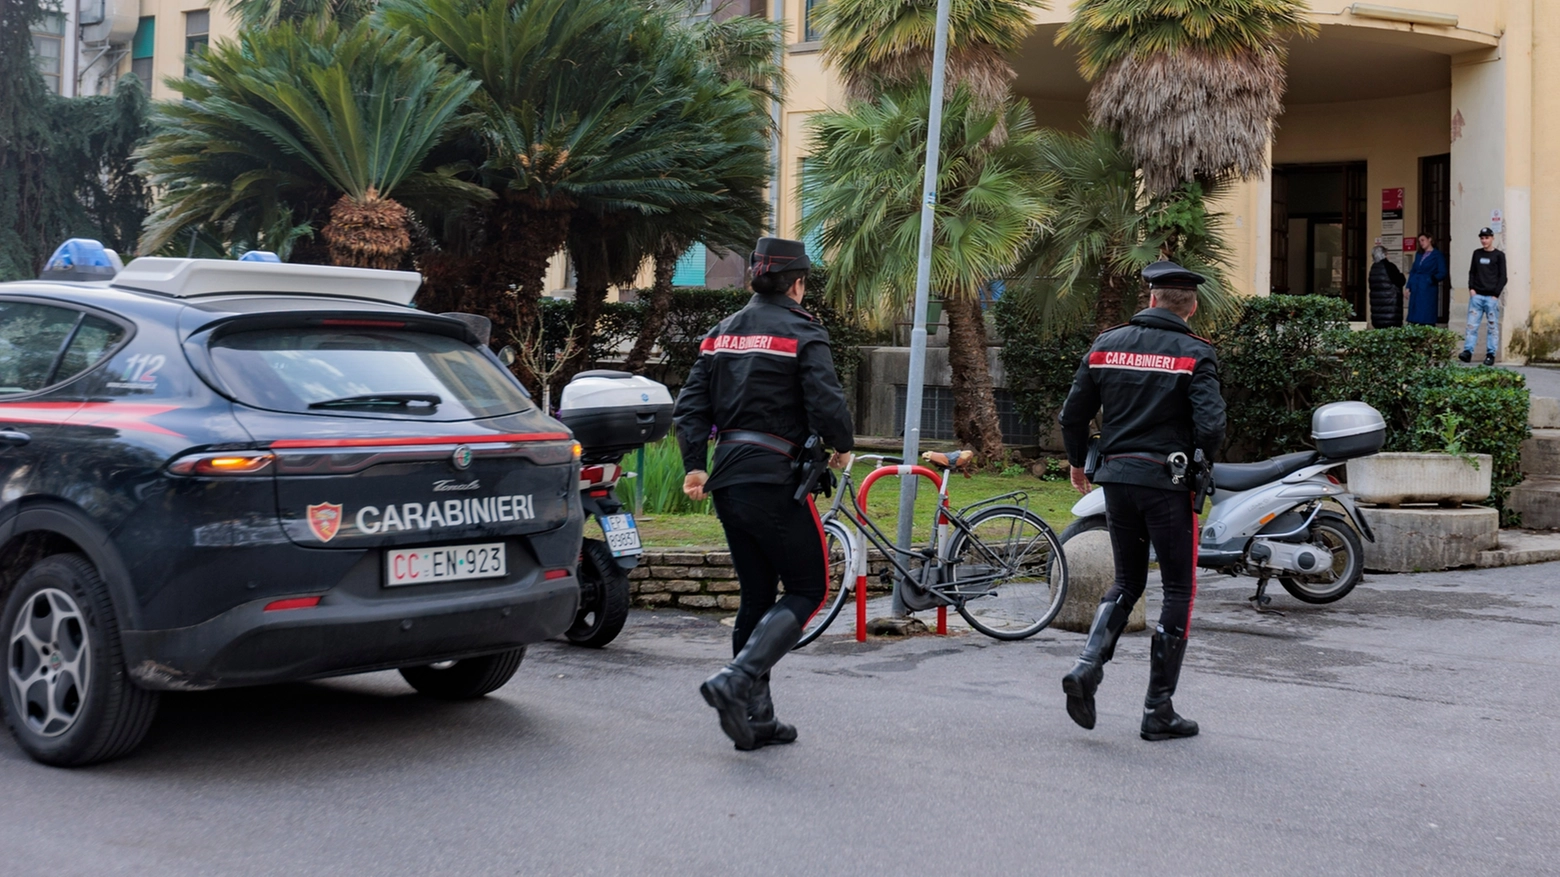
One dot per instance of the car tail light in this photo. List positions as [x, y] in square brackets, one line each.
[555, 574]
[579, 450]
[292, 603]
[232, 463]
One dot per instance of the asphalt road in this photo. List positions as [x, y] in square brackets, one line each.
[1409, 729]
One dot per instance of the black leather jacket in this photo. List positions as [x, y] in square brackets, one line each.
[1159, 387]
[765, 368]
[1386, 295]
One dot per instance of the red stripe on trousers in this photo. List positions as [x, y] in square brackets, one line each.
[823, 543]
[1196, 529]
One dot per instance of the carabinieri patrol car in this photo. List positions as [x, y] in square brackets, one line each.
[222, 473]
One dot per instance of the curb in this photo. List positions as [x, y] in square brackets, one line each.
[1520, 547]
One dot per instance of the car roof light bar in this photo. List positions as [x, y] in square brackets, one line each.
[190, 278]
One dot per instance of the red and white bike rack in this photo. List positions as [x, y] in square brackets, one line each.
[861, 548]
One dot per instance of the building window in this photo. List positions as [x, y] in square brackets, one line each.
[197, 34]
[813, 240]
[810, 31]
[141, 50]
[690, 268]
[49, 50]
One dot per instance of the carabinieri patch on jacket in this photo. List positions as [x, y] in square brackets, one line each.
[1148, 362]
[772, 344]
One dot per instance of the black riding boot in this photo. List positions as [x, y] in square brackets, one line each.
[731, 690]
[1110, 619]
[1159, 719]
[761, 715]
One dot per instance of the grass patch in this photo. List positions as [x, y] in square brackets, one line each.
[1052, 500]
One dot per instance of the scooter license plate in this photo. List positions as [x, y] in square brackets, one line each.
[622, 534]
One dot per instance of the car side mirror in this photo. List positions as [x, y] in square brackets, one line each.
[507, 355]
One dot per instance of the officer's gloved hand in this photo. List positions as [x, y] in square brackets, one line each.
[693, 484]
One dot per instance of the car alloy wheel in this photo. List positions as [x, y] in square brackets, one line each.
[50, 660]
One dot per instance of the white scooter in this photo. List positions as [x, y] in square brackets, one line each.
[1273, 519]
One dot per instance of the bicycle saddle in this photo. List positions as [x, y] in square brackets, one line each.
[1246, 476]
[960, 460]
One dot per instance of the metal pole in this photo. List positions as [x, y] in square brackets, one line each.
[774, 120]
[639, 485]
[923, 284]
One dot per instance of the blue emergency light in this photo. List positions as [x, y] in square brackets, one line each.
[260, 256]
[81, 259]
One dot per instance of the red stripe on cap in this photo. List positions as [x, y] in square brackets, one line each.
[420, 440]
[1142, 361]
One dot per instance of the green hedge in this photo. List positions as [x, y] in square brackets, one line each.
[693, 312]
[1284, 356]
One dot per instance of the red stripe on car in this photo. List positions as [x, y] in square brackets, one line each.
[109, 415]
[420, 440]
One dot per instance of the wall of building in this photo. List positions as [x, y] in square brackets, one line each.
[168, 48]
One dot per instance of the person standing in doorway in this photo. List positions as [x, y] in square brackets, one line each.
[1386, 290]
[1424, 283]
[1486, 281]
[765, 381]
[1158, 387]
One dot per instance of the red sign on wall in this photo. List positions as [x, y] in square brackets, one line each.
[1391, 199]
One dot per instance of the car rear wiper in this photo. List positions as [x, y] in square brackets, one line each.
[382, 400]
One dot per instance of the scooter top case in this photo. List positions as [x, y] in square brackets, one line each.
[614, 412]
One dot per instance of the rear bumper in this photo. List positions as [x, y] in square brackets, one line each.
[347, 634]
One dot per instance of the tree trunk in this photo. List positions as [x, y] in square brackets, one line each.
[591, 282]
[975, 421]
[1109, 304]
[521, 236]
[367, 234]
[660, 306]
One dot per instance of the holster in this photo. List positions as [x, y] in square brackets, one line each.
[812, 468]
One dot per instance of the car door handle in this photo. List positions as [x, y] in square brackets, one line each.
[13, 438]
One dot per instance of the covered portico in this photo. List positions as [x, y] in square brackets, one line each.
[1390, 127]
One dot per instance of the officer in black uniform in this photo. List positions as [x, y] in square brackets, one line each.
[1158, 385]
[764, 382]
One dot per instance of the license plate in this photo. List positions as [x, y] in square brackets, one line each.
[431, 564]
[622, 534]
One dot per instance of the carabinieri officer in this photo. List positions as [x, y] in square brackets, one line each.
[765, 381]
[1158, 385]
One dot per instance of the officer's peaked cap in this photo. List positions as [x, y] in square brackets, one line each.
[773, 255]
[1165, 273]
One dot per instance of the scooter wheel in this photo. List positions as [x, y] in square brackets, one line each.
[603, 597]
[1333, 532]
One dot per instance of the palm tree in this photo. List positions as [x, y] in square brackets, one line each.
[864, 184]
[569, 96]
[299, 115]
[879, 45]
[1084, 266]
[260, 14]
[1192, 86]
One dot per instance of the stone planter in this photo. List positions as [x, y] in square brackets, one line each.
[1394, 479]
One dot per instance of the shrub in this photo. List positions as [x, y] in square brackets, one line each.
[663, 480]
[1490, 407]
[1275, 359]
[1386, 368]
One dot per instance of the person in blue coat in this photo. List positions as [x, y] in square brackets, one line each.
[1424, 283]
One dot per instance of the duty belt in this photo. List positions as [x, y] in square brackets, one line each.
[761, 439]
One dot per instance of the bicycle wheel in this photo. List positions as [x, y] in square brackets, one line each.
[837, 540]
[1012, 576]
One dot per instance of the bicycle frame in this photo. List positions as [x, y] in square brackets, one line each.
[945, 522]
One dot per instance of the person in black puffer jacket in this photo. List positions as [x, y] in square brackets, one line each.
[1386, 291]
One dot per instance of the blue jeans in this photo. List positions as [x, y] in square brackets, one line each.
[1478, 307]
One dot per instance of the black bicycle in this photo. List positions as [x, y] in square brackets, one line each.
[998, 564]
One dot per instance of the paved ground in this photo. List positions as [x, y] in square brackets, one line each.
[1409, 729]
[1542, 380]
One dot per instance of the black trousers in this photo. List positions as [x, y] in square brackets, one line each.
[773, 539]
[1137, 517]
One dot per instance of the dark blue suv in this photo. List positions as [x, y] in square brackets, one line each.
[218, 473]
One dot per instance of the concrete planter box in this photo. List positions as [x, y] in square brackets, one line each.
[1394, 479]
[1425, 539]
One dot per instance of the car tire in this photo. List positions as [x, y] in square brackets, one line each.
[68, 697]
[604, 597]
[466, 679]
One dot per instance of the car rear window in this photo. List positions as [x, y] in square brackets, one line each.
[294, 369]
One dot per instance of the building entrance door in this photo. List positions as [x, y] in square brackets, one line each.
[1319, 232]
